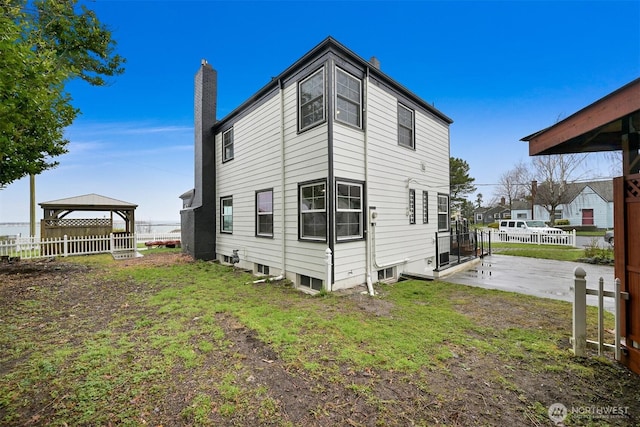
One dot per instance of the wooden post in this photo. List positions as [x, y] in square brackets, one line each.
[579, 312]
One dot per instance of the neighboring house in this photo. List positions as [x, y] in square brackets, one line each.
[492, 214]
[591, 205]
[521, 209]
[332, 154]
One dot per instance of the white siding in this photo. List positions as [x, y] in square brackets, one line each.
[589, 199]
[255, 166]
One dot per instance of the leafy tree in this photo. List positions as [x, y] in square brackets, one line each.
[461, 183]
[43, 45]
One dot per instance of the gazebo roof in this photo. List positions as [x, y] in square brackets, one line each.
[88, 202]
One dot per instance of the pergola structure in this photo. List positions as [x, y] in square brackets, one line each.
[55, 223]
[609, 124]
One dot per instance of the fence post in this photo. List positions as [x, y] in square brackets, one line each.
[65, 249]
[328, 261]
[618, 312]
[111, 243]
[575, 242]
[579, 312]
[600, 316]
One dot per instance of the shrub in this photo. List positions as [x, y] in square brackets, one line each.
[562, 222]
[493, 225]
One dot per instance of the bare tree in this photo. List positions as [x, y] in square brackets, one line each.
[514, 184]
[553, 174]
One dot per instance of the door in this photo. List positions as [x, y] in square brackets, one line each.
[627, 262]
[587, 216]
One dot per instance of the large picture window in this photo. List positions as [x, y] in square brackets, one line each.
[349, 211]
[348, 98]
[311, 100]
[264, 213]
[443, 212]
[405, 127]
[227, 145]
[313, 211]
[226, 215]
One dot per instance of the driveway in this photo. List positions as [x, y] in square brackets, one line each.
[532, 276]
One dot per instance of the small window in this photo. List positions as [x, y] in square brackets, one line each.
[313, 212]
[443, 212]
[386, 273]
[226, 214]
[227, 145]
[311, 100]
[349, 211]
[425, 207]
[311, 282]
[262, 269]
[348, 98]
[412, 206]
[264, 213]
[405, 127]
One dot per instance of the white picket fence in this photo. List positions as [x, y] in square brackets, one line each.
[564, 238]
[34, 247]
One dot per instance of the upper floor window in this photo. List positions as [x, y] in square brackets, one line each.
[349, 211]
[311, 100]
[348, 98]
[443, 212]
[412, 206]
[264, 213]
[313, 211]
[227, 145]
[405, 127]
[226, 214]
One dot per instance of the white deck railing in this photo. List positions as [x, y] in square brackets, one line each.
[34, 247]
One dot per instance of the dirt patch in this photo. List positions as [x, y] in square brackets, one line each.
[467, 389]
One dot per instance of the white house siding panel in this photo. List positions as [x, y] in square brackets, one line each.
[255, 166]
[305, 159]
[393, 170]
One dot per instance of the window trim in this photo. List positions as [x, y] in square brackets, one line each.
[337, 95]
[224, 146]
[412, 129]
[446, 228]
[350, 183]
[258, 214]
[222, 215]
[301, 236]
[301, 127]
[425, 207]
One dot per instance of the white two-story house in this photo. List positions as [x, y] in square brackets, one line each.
[331, 158]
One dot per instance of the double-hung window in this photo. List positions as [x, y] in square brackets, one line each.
[425, 207]
[412, 206]
[226, 214]
[348, 98]
[227, 145]
[264, 213]
[349, 211]
[443, 212]
[313, 211]
[311, 100]
[406, 136]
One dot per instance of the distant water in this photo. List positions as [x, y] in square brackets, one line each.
[22, 228]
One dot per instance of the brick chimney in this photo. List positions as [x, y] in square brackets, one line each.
[198, 221]
[375, 62]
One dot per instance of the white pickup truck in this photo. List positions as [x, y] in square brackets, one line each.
[531, 231]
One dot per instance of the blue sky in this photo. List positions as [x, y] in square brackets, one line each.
[501, 70]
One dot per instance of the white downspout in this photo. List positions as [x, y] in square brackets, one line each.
[283, 245]
[366, 180]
